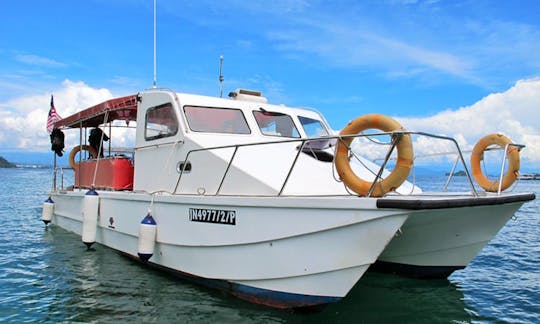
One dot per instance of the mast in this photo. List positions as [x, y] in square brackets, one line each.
[221, 78]
[155, 73]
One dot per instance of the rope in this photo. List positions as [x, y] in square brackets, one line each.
[99, 150]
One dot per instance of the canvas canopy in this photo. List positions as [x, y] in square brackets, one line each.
[123, 108]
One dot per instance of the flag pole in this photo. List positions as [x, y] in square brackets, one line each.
[54, 171]
[54, 153]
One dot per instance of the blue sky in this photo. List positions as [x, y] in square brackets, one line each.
[418, 61]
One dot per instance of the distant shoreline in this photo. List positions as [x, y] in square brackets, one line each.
[6, 164]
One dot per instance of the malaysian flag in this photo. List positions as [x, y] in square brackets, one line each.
[53, 117]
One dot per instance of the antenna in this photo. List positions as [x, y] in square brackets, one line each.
[221, 76]
[155, 77]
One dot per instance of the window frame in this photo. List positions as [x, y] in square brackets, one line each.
[295, 131]
[243, 127]
[321, 123]
[160, 135]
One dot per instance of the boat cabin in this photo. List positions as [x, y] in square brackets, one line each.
[192, 144]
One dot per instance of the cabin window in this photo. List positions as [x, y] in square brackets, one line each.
[313, 127]
[216, 120]
[160, 122]
[275, 124]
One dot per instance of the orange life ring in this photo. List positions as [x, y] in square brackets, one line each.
[404, 161]
[76, 149]
[513, 162]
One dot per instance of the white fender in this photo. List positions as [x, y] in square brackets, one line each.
[147, 237]
[90, 217]
[47, 211]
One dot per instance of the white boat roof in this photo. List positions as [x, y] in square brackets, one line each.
[125, 108]
[207, 101]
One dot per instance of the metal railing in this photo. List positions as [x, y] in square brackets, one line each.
[395, 140]
[304, 145]
[235, 147]
[519, 147]
[459, 158]
[113, 152]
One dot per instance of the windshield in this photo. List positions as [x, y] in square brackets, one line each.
[313, 127]
[275, 124]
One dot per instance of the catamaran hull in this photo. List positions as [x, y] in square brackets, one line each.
[437, 239]
[285, 252]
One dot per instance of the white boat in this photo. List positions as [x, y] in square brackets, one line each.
[529, 176]
[243, 196]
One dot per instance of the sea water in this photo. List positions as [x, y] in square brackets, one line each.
[47, 275]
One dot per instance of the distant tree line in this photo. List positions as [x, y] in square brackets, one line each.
[6, 164]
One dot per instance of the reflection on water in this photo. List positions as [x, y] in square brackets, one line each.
[384, 298]
[101, 284]
[49, 276]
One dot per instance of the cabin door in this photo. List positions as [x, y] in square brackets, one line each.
[159, 142]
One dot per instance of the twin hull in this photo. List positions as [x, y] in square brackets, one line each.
[282, 252]
[435, 241]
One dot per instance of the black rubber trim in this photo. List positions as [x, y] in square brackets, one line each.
[414, 271]
[417, 204]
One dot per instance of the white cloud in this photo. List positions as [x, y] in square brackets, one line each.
[513, 113]
[414, 39]
[350, 44]
[38, 60]
[437, 60]
[23, 120]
